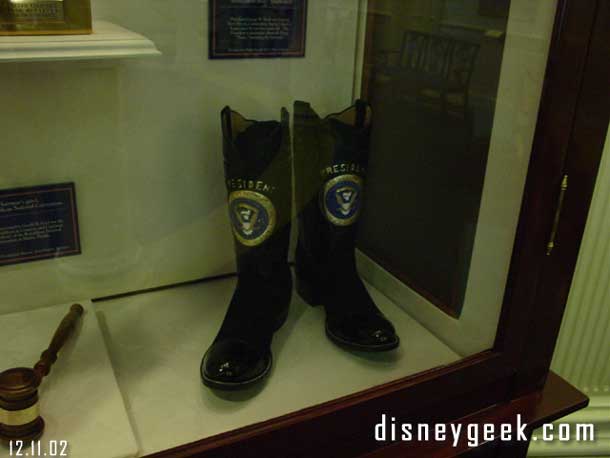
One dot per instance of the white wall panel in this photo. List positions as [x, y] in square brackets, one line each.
[141, 140]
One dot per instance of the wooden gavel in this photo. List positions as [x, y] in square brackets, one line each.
[19, 408]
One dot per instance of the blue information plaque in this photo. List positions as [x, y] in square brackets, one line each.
[257, 28]
[38, 222]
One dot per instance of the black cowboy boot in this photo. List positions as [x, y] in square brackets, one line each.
[330, 157]
[258, 171]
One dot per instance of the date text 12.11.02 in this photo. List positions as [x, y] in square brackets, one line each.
[38, 448]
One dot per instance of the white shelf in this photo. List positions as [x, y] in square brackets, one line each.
[108, 41]
[156, 341]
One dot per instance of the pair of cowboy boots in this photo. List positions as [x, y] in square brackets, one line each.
[330, 160]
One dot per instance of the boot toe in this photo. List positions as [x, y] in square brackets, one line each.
[368, 334]
[234, 364]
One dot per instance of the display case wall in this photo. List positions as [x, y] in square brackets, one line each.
[141, 140]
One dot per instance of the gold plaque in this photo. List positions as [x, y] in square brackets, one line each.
[45, 17]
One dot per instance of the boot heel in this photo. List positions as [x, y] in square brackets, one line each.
[308, 293]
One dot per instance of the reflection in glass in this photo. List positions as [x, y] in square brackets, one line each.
[432, 78]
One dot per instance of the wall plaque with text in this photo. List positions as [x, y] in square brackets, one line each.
[38, 223]
[257, 28]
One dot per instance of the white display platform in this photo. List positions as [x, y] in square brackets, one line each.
[108, 41]
[80, 401]
[156, 341]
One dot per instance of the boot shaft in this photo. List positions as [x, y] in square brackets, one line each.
[258, 172]
[331, 158]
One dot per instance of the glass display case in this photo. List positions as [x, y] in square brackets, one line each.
[283, 219]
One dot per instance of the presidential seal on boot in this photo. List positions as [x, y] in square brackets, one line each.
[331, 157]
[258, 171]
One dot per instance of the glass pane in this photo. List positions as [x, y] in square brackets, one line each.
[197, 174]
[455, 89]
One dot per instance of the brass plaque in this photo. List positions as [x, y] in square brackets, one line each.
[45, 17]
[20, 11]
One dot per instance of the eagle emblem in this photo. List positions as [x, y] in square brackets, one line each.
[341, 200]
[252, 216]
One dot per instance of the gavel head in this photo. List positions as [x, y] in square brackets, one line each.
[19, 408]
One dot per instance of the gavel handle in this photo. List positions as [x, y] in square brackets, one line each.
[65, 329]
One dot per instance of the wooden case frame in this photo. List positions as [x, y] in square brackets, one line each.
[570, 133]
